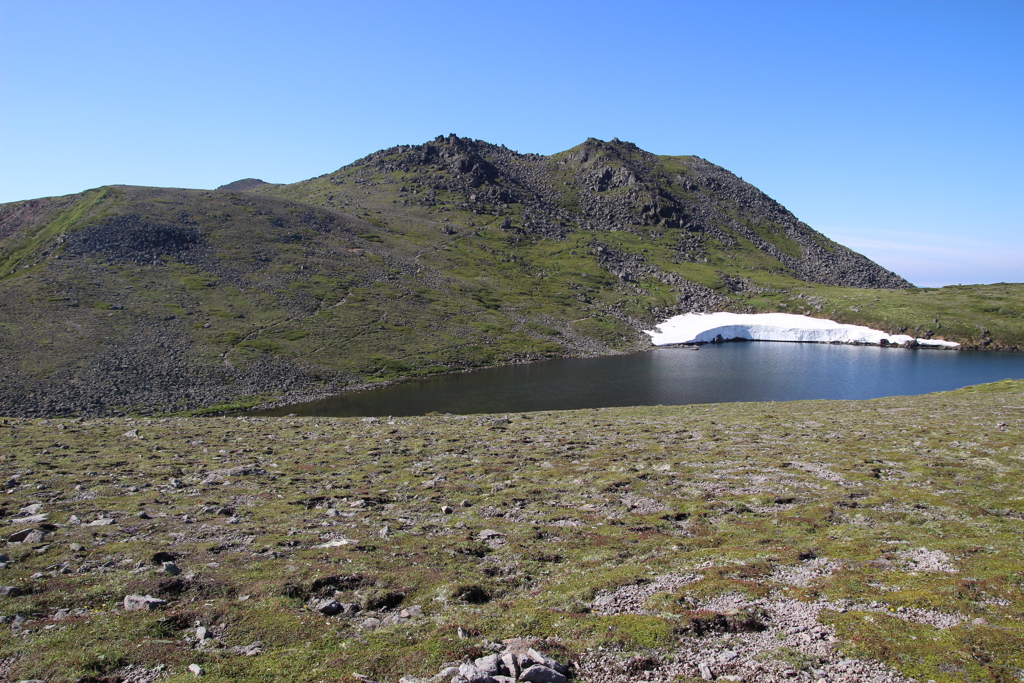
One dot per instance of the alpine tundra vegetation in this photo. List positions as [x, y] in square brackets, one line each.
[836, 541]
[416, 260]
[844, 541]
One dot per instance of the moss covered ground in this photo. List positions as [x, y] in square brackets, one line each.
[613, 536]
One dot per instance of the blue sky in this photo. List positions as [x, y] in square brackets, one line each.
[896, 128]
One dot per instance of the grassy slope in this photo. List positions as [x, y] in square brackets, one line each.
[589, 502]
[394, 288]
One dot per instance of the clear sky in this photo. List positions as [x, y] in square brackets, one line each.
[895, 127]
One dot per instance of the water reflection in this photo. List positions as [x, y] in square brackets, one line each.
[743, 371]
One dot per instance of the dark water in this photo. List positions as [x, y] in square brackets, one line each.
[743, 371]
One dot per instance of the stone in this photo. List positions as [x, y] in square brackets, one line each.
[468, 671]
[490, 665]
[545, 660]
[27, 536]
[134, 603]
[447, 509]
[488, 534]
[726, 656]
[30, 519]
[196, 670]
[705, 672]
[447, 672]
[170, 568]
[472, 674]
[510, 661]
[538, 673]
[249, 650]
[202, 633]
[102, 521]
[328, 607]
[9, 591]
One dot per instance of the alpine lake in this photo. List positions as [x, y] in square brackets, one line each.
[712, 373]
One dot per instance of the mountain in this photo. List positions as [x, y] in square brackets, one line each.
[415, 260]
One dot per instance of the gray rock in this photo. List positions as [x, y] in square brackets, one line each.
[170, 568]
[328, 607]
[27, 536]
[248, 650]
[469, 671]
[196, 670]
[488, 534]
[511, 664]
[202, 633]
[538, 673]
[30, 519]
[540, 658]
[9, 591]
[447, 672]
[472, 674]
[102, 521]
[133, 603]
[726, 656]
[490, 665]
[369, 624]
[705, 672]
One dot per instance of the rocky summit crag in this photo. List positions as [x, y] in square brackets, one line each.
[415, 260]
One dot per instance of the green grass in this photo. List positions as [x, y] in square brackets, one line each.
[740, 494]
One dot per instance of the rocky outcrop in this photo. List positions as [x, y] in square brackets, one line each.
[608, 186]
[511, 661]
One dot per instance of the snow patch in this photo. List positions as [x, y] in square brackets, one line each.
[697, 328]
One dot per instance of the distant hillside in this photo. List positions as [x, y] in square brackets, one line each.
[415, 260]
[244, 184]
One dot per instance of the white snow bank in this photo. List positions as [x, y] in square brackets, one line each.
[694, 328]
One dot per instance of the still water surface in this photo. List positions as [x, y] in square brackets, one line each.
[742, 371]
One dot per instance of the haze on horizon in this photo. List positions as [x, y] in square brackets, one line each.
[892, 128]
